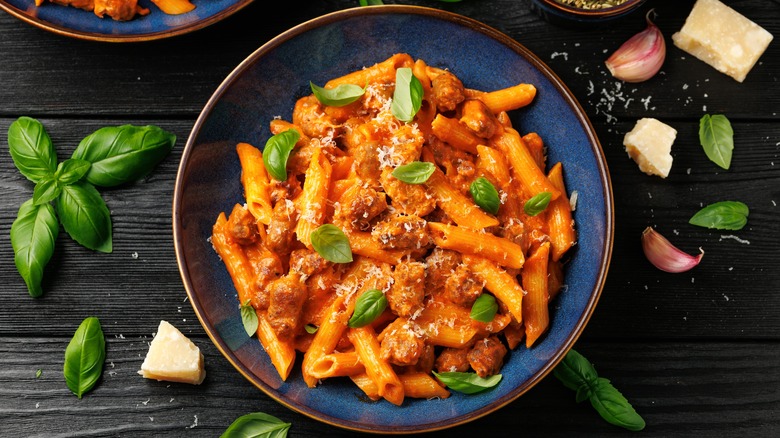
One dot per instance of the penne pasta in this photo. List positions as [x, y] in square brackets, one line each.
[510, 98]
[366, 345]
[536, 314]
[522, 164]
[256, 182]
[500, 250]
[559, 220]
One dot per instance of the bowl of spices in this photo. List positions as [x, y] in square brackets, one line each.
[584, 13]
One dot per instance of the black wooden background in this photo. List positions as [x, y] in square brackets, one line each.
[696, 353]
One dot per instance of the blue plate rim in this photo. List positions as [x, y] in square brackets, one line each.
[121, 38]
[609, 215]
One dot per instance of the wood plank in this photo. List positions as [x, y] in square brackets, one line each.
[56, 76]
[681, 389]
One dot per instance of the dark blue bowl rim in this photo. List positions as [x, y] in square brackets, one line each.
[121, 38]
[474, 25]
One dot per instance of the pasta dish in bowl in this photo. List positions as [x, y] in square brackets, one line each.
[402, 231]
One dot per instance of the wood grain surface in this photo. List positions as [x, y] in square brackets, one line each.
[697, 354]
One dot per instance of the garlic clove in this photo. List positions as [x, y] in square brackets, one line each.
[665, 256]
[641, 57]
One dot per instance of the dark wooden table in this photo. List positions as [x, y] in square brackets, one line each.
[696, 353]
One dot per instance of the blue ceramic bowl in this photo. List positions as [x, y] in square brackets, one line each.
[86, 25]
[268, 83]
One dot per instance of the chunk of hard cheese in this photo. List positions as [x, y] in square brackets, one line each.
[650, 145]
[723, 38]
[173, 357]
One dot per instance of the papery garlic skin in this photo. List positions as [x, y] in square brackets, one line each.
[665, 256]
[641, 57]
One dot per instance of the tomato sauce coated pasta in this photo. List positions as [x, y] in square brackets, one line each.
[432, 247]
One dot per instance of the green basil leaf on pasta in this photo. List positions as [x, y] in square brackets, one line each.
[331, 243]
[467, 383]
[485, 195]
[717, 138]
[724, 215]
[249, 318]
[123, 153]
[257, 425]
[408, 94]
[370, 2]
[416, 172]
[46, 190]
[484, 308]
[33, 235]
[341, 95]
[85, 216]
[31, 149]
[84, 357]
[311, 328]
[614, 407]
[537, 204]
[369, 305]
[277, 152]
[71, 170]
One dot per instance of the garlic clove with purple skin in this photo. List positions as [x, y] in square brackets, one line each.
[641, 57]
[665, 256]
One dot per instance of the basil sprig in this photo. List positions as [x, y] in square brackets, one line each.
[331, 243]
[537, 204]
[578, 374]
[257, 425]
[408, 94]
[84, 357]
[416, 172]
[484, 308]
[277, 152]
[369, 305]
[724, 215]
[33, 234]
[107, 157]
[717, 138]
[485, 195]
[249, 318]
[467, 383]
[341, 95]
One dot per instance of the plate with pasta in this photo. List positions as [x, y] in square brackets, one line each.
[122, 20]
[393, 235]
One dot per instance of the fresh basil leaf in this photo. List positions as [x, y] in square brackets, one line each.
[369, 305]
[485, 195]
[577, 374]
[31, 148]
[33, 234]
[408, 94]
[84, 357]
[717, 138]
[724, 215]
[249, 318]
[257, 425]
[467, 383]
[38, 373]
[311, 329]
[71, 170]
[331, 243]
[277, 151]
[416, 172]
[85, 216]
[341, 95]
[537, 204]
[370, 2]
[46, 190]
[613, 406]
[484, 308]
[123, 153]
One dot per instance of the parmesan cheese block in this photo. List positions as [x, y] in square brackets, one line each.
[723, 38]
[650, 145]
[173, 357]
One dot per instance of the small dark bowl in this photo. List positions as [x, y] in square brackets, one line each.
[572, 16]
[267, 84]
